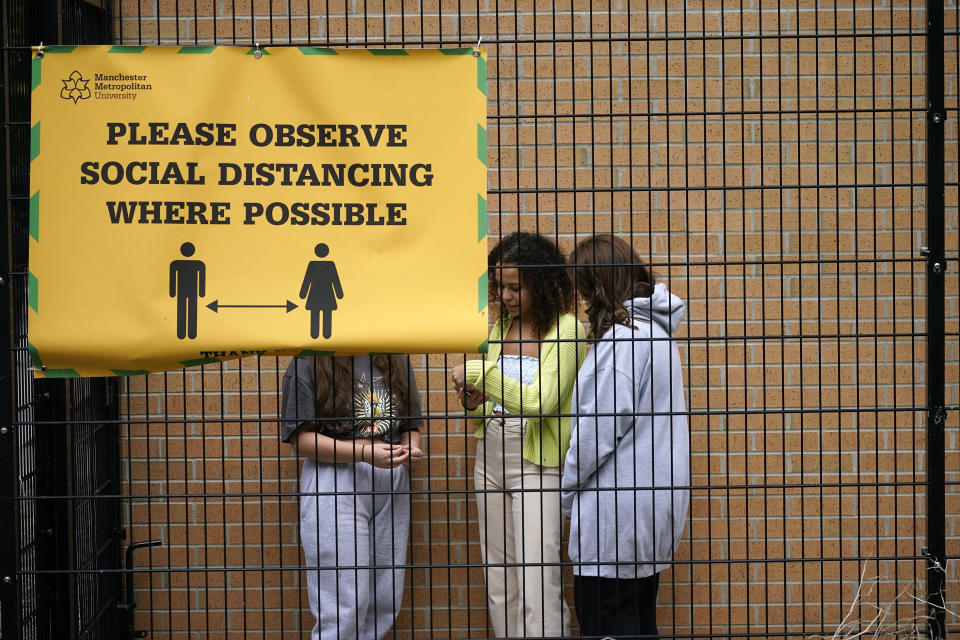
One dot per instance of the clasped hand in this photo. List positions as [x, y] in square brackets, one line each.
[386, 455]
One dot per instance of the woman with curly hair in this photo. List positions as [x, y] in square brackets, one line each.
[627, 473]
[519, 396]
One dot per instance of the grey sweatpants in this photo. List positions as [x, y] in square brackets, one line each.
[356, 538]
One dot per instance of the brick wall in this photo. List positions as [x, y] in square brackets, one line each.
[768, 161]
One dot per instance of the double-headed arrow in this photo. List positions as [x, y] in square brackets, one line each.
[215, 306]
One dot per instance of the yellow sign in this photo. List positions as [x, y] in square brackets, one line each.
[195, 204]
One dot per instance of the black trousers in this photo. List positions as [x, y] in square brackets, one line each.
[617, 608]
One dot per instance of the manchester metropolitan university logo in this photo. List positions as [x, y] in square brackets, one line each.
[75, 88]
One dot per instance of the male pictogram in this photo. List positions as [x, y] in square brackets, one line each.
[188, 279]
[321, 289]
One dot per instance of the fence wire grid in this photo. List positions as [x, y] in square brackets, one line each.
[769, 160]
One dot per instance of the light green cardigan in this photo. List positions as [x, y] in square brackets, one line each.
[562, 352]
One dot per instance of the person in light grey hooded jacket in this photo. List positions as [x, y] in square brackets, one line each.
[626, 475]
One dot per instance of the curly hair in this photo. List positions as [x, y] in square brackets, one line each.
[608, 273]
[543, 275]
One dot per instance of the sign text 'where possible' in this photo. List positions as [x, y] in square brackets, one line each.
[261, 174]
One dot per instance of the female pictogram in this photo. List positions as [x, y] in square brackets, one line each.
[321, 289]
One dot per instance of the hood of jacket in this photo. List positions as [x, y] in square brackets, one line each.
[662, 307]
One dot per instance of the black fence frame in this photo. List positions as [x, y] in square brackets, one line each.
[936, 339]
[60, 518]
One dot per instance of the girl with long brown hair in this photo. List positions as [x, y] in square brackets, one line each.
[627, 473]
[355, 421]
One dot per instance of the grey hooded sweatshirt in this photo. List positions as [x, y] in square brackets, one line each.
[627, 473]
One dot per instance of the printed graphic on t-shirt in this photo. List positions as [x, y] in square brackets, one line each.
[373, 409]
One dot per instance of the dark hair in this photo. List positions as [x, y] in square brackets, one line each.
[543, 275]
[334, 376]
[608, 273]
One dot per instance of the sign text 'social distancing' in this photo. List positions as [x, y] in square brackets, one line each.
[195, 204]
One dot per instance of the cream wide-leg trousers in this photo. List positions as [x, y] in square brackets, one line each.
[520, 529]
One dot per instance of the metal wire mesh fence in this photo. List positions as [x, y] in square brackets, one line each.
[766, 159]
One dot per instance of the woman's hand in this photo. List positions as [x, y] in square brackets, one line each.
[471, 397]
[384, 455]
[416, 455]
[411, 440]
[459, 377]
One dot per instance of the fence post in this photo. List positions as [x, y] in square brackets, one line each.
[8, 554]
[8, 467]
[936, 268]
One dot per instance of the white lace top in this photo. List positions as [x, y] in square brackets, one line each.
[521, 368]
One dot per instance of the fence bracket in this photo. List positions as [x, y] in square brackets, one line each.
[127, 607]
